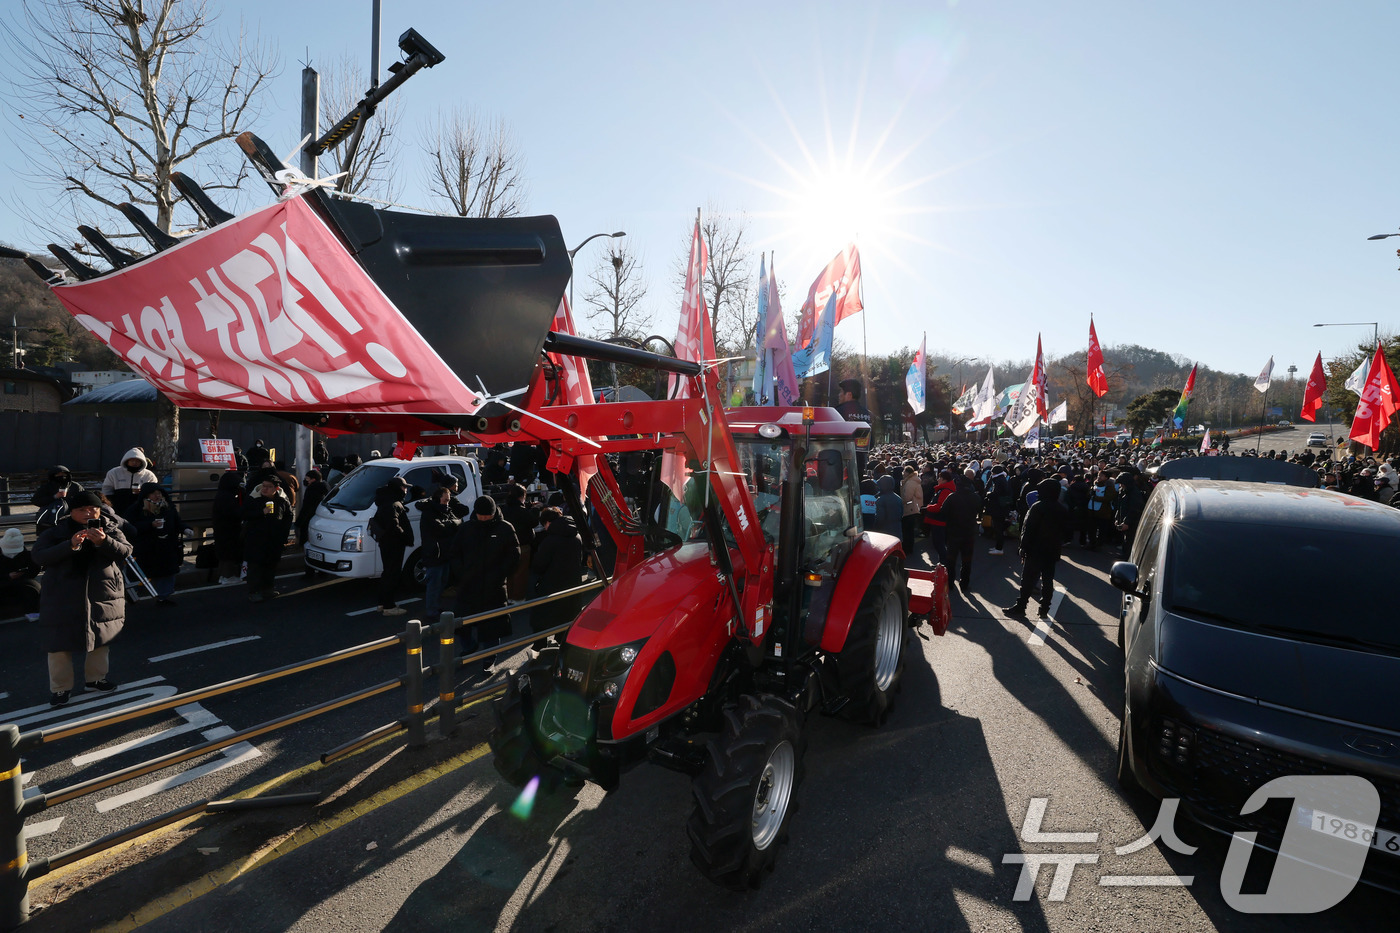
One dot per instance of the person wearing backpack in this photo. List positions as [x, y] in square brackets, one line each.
[389, 526]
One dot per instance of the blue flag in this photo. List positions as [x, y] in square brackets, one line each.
[816, 357]
[762, 382]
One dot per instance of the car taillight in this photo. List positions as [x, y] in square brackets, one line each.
[1175, 742]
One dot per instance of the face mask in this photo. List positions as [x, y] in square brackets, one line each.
[133, 469]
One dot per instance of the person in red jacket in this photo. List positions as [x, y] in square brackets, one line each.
[933, 519]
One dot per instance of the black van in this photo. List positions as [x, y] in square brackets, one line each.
[1261, 634]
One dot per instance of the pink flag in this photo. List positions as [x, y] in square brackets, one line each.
[695, 341]
[842, 276]
[775, 342]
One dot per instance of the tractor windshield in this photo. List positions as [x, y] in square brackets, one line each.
[829, 497]
[765, 463]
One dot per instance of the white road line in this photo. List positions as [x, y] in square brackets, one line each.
[365, 612]
[35, 830]
[196, 716]
[3, 696]
[224, 586]
[234, 754]
[91, 704]
[1042, 626]
[217, 644]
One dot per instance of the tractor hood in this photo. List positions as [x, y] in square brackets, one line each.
[642, 599]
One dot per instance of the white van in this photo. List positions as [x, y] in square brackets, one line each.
[338, 540]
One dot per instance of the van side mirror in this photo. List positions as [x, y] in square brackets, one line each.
[1124, 575]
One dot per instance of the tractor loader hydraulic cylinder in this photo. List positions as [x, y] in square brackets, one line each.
[612, 353]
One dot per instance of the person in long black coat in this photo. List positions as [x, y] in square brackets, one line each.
[959, 514]
[394, 535]
[267, 521]
[558, 565]
[1042, 534]
[483, 553]
[436, 527]
[159, 539]
[82, 606]
[228, 526]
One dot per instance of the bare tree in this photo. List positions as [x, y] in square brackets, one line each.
[343, 84]
[119, 94]
[475, 165]
[614, 300]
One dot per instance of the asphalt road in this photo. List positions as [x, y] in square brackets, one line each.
[904, 827]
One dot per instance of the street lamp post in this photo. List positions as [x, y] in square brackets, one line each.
[574, 252]
[1374, 325]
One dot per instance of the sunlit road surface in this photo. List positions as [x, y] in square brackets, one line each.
[920, 825]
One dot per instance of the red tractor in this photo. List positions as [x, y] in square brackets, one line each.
[736, 607]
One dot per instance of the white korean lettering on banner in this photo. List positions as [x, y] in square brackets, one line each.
[243, 316]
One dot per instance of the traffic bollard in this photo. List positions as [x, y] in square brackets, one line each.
[447, 674]
[413, 685]
[14, 888]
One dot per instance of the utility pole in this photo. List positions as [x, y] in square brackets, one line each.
[310, 130]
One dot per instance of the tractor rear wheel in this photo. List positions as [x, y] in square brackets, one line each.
[747, 792]
[515, 754]
[871, 664]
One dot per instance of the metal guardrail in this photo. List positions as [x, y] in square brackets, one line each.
[16, 871]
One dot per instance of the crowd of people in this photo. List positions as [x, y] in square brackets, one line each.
[1091, 496]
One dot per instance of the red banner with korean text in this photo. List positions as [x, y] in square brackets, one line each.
[268, 311]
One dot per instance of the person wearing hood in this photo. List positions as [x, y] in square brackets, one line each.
[122, 484]
[1042, 534]
[228, 526]
[267, 521]
[58, 486]
[523, 519]
[483, 553]
[83, 603]
[436, 527]
[889, 508]
[394, 534]
[558, 566]
[17, 574]
[158, 540]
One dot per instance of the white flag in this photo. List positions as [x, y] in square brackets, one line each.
[1265, 377]
[1061, 413]
[1357, 380]
[1205, 442]
[984, 406]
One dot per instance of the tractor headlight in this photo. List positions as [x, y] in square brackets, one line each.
[611, 690]
[614, 663]
[627, 654]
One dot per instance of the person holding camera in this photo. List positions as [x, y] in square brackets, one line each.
[267, 522]
[82, 604]
[159, 540]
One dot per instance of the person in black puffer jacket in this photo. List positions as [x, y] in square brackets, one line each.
[558, 565]
[228, 526]
[437, 526]
[59, 485]
[959, 514]
[523, 519]
[159, 539]
[1042, 534]
[267, 521]
[482, 554]
[394, 535]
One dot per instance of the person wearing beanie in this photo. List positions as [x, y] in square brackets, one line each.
[82, 604]
[267, 521]
[483, 553]
[122, 484]
[17, 575]
[158, 540]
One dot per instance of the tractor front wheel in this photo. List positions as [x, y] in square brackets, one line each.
[515, 754]
[747, 792]
[871, 664]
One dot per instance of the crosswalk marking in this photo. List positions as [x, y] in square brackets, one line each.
[1042, 626]
[233, 755]
[195, 716]
[197, 650]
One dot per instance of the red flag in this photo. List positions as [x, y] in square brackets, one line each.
[695, 341]
[1380, 400]
[404, 450]
[1042, 404]
[842, 276]
[1098, 382]
[267, 312]
[1312, 395]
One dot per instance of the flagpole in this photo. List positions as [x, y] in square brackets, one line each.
[1263, 413]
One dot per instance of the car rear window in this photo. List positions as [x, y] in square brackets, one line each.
[356, 491]
[1324, 585]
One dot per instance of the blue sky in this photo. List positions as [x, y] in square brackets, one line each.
[1200, 177]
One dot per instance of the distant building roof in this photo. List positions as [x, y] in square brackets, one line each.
[131, 391]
